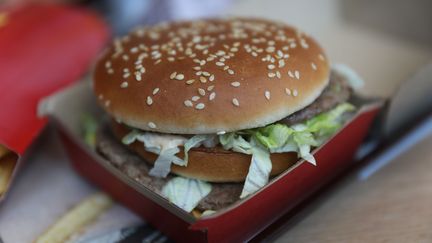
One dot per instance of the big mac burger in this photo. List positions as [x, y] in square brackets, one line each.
[206, 112]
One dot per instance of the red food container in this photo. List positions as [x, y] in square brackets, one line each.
[42, 49]
[241, 221]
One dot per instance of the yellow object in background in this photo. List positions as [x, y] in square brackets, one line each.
[7, 165]
[3, 19]
[76, 218]
[3, 151]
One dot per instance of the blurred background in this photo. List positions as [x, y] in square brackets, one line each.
[386, 41]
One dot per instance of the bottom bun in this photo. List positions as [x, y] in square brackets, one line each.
[211, 164]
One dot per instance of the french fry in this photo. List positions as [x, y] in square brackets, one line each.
[75, 219]
[7, 165]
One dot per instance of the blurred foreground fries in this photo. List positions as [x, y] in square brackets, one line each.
[7, 164]
[75, 219]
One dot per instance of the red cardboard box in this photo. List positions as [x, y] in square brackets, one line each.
[282, 194]
[43, 49]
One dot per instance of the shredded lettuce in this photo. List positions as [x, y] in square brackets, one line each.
[208, 213]
[89, 128]
[196, 141]
[258, 142]
[259, 171]
[186, 193]
[281, 138]
[166, 146]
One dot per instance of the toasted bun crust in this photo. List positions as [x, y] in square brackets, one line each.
[211, 164]
[210, 76]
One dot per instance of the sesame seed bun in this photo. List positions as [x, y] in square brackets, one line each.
[210, 164]
[210, 76]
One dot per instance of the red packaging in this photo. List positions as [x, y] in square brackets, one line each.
[228, 225]
[42, 49]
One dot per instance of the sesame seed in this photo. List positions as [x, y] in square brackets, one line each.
[134, 50]
[171, 59]
[152, 125]
[267, 94]
[321, 57]
[278, 74]
[271, 75]
[314, 66]
[220, 64]
[158, 61]
[179, 76]
[211, 78]
[297, 74]
[210, 88]
[287, 91]
[125, 57]
[138, 76]
[281, 63]
[235, 84]
[110, 71]
[107, 64]
[198, 73]
[197, 68]
[212, 96]
[203, 79]
[270, 49]
[149, 100]
[271, 66]
[207, 74]
[290, 74]
[188, 103]
[201, 91]
[304, 44]
[124, 85]
[230, 71]
[280, 53]
[200, 106]
[226, 68]
[195, 98]
[155, 91]
[235, 102]
[190, 81]
[173, 75]
[295, 93]
[107, 103]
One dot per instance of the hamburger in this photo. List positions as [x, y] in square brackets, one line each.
[205, 112]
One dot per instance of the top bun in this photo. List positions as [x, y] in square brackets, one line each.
[210, 76]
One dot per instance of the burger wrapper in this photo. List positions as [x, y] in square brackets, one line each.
[43, 49]
[278, 197]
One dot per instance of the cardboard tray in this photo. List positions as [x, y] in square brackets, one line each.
[282, 194]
